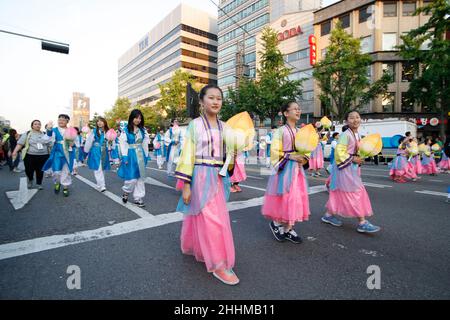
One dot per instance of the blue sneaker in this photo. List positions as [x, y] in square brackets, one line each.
[367, 227]
[332, 220]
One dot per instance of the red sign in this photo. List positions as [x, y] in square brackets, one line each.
[424, 121]
[312, 50]
[292, 32]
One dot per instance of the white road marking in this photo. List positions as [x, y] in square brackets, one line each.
[157, 183]
[434, 193]
[370, 253]
[22, 196]
[21, 248]
[376, 185]
[436, 180]
[139, 211]
[253, 177]
[251, 187]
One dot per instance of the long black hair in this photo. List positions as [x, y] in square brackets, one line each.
[133, 115]
[105, 126]
[284, 108]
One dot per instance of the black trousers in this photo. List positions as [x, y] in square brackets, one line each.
[34, 163]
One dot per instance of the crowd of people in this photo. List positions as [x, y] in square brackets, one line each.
[194, 158]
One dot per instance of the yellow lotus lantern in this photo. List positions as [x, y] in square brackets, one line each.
[435, 147]
[325, 122]
[413, 149]
[370, 145]
[422, 148]
[238, 134]
[306, 139]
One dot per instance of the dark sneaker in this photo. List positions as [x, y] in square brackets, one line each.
[293, 237]
[125, 197]
[66, 192]
[277, 231]
[139, 203]
[57, 188]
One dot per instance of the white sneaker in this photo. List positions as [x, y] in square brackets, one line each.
[17, 170]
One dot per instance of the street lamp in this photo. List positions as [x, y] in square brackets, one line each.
[48, 45]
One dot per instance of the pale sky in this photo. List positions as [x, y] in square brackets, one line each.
[37, 84]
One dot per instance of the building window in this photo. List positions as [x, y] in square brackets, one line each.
[388, 102]
[390, 9]
[389, 67]
[407, 72]
[389, 41]
[407, 103]
[298, 55]
[409, 7]
[366, 44]
[365, 13]
[345, 20]
[325, 28]
[250, 57]
[323, 53]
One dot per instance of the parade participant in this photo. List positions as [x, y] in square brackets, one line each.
[334, 141]
[286, 199]
[401, 169]
[62, 156]
[77, 148]
[444, 164]
[172, 141]
[316, 161]
[347, 195]
[133, 142]
[80, 155]
[206, 231]
[34, 145]
[428, 162]
[158, 143]
[269, 138]
[98, 156]
[239, 173]
[416, 162]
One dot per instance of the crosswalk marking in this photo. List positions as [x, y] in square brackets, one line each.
[376, 185]
[434, 193]
[139, 211]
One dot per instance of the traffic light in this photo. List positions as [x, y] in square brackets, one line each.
[55, 47]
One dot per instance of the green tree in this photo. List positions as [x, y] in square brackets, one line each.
[93, 121]
[173, 94]
[273, 87]
[119, 112]
[429, 52]
[240, 99]
[342, 75]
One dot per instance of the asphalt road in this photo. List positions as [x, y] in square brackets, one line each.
[127, 253]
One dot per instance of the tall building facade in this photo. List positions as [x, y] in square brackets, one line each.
[81, 106]
[294, 32]
[379, 25]
[238, 49]
[185, 39]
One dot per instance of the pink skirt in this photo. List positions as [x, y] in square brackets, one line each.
[444, 164]
[410, 171]
[208, 237]
[239, 172]
[316, 160]
[418, 167]
[429, 168]
[349, 204]
[290, 207]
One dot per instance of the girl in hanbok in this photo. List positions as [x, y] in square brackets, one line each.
[416, 162]
[206, 231]
[239, 173]
[115, 152]
[316, 160]
[133, 142]
[62, 157]
[401, 167]
[97, 148]
[444, 164]
[80, 153]
[269, 138]
[286, 199]
[347, 196]
[158, 143]
[428, 162]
